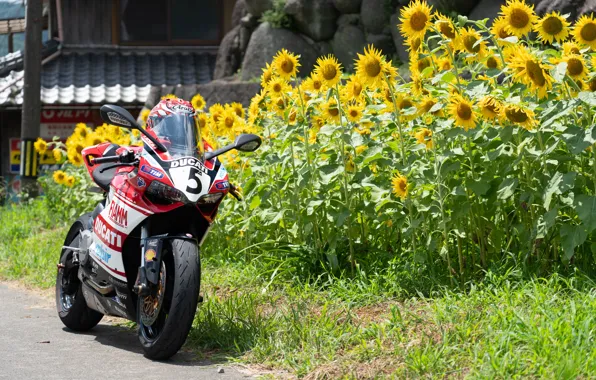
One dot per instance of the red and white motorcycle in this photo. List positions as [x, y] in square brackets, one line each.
[136, 256]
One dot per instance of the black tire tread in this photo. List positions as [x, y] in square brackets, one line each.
[184, 302]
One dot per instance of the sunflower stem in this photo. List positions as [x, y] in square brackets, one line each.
[345, 179]
[396, 115]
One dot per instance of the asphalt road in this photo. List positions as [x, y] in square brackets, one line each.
[35, 345]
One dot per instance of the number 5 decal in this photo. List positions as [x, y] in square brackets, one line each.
[194, 182]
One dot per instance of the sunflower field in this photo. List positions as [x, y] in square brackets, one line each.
[483, 156]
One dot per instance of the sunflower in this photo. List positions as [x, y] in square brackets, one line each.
[424, 136]
[585, 31]
[576, 66]
[400, 185]
[530, 70]
[444, 63]
[404, 103]
[328, 69]
[58, 156]
[145, 115]
[74, 158]
[354, 112]
[469, 43]
[313, 84]
[59, 177]
[492, 62]
[519, 115]
[40, 145]
[418, 64]
[352, 90]
[499, 31]
[198, 102]
[490, 107]
[278, 87]
[462, 111]
[238, 108]
[202, 121]
[267, 75]
[591, 84]
[227, 124]
[69, 181]
[169, 96]
[570, 47]
[92, 139]
[369, 67]
[445, 25]
[417, 85]
[519, 16]
[81, 130]
[278, 105]
[413, 44]
[552, 27]
[390, 71]
[216, 111]
[426, 104]
[415, 19]
[285, 64]
[331, 111]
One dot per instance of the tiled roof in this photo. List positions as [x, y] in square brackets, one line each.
[84, 76]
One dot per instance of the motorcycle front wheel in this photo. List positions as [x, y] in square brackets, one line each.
[166, 317]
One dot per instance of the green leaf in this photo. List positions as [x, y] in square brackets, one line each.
[507, 188]
[255, 202]
[330, 172]
[552, 188]
[479, 187]
[575, 139]
[559, 71]
[585, 206]
[588, 97]
[571, 237]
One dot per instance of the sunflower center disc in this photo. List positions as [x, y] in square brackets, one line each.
[469, 42]
[446, 29]
[464, 111]
[552, 26]
[333, 112]
[535, 73]
[373, 68]
[575, 67]
[517, 116]
[588, 32]
[519, 18]
[329, 72]
[287, 66]
[418, 21]
[491, 63]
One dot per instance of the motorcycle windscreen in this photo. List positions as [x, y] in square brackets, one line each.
[180, 134]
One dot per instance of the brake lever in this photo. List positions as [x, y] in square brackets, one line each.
[134, 163]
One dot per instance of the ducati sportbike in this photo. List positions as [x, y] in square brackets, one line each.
[136, 256]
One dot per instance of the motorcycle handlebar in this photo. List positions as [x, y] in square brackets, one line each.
[103, 160]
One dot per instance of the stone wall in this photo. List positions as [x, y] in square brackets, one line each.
[342, 28]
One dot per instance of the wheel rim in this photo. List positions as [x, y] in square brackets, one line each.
[153, 310]
[69, 282]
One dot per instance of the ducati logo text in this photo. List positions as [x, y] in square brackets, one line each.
[109, 236]
[189, 161]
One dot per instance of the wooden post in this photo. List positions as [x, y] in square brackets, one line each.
[31, 96]
[10, 42]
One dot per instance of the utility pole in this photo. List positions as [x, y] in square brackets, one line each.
[31, 96]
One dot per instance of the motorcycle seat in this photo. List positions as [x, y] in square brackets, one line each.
[102, 177]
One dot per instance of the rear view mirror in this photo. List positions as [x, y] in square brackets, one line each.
[117, 115]
[247, 142]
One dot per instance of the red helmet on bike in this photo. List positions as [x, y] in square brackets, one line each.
[166, 107]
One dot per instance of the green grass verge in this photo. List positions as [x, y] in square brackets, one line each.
[502, 327]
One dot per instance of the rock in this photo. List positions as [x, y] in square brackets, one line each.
[238, 12]
[398, 40]
[229, 54]
[374, 15]
[257, 7]
[250, 21]
[315, 18]
[217, 91]
[220, 370]
[572, 7]
[589, 7]
[324, 48]
[486, 9]
[347, 6]
[462, 7]
[348, 19]
[266, 41]
[347, 42]
[382, 42]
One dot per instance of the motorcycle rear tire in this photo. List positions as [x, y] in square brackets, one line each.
[77, 317]
[183, 278]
